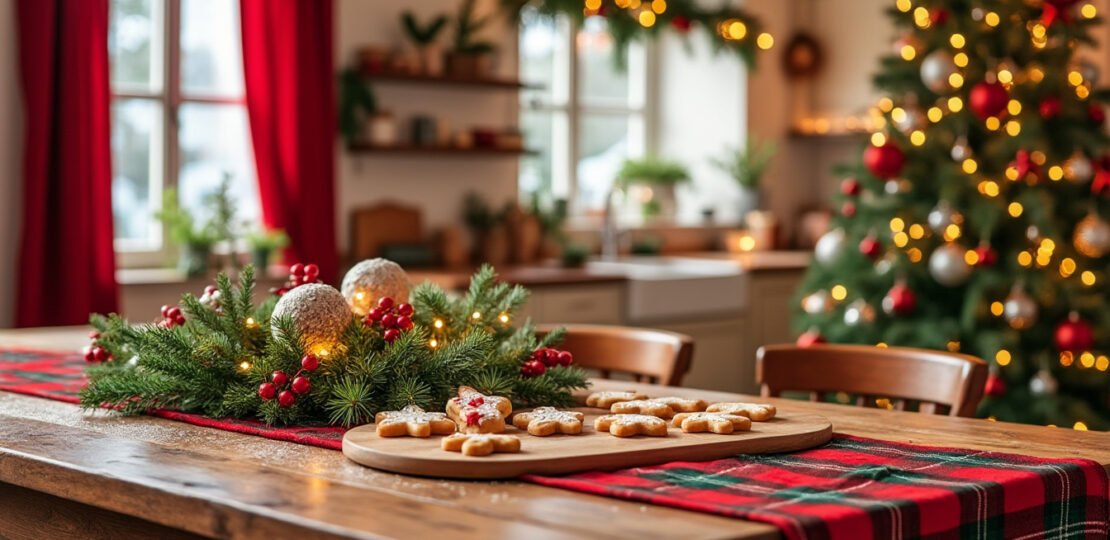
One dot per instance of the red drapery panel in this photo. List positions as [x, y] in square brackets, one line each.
[67, 262]
[290, 85]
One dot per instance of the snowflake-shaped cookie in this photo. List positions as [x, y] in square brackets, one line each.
[414, 422]
[544, 421]
[716, 422]
[480, 444]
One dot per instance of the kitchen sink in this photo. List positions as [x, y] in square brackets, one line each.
[672, 288]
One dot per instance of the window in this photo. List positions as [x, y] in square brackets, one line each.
[178, 116]
[588, 114]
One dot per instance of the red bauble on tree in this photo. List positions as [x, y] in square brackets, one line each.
[810, 338]
[988, 99]
[986, 255]
[995, 387]
[884, 161]
[1074, 334]
[850, 187]
[900, 300]
[871, 247]
[938, 16]
[1050, 107]
[848, 209]
[680, 23]
[1096, 114]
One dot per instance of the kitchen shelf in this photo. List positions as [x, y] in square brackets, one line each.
[443, 80]
[406, 149]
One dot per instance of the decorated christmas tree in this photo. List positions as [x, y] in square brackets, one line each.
[977, 220]
[311, 354]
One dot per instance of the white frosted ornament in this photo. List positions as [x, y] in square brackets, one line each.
[942, 216]
[1078, 168]
[961, 150]
[935, 70]
[947, 265]
[1019, 309]
[817, 302]
[895, 187]
[830, 246]
[1043, 383]
[318, 312]
[1092, 236]
[859, 312]
[371, 280]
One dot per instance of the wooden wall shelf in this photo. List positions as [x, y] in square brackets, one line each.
[443, 80]
[413, 150]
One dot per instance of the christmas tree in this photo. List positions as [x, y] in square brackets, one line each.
[976, 221]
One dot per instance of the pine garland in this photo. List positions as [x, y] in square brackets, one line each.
[214, 363]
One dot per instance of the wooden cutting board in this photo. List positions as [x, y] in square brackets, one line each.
[561, 454]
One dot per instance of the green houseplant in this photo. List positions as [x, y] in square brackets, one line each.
[746, 166]
[470, 58]
[263, 243]
[195, 241]
[657, 180]
[424, 37]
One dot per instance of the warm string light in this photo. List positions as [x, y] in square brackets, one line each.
[504, 318]
[250, 323]
[1003, 357]
[244, 365]
[839, 292]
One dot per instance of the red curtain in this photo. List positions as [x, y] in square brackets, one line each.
[66, 262]
[290, 86]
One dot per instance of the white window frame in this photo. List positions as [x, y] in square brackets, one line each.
[565, 152]
[138, 253]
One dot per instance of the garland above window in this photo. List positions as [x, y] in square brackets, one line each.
[728, 28]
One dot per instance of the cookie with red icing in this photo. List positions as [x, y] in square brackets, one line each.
[475, 412]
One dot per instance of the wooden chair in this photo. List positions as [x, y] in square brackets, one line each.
[939, 380]
[654, 356]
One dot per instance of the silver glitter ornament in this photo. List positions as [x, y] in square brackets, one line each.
[371, 280]
[936, 68]
[1019, 309]
[817, 302]
[961, 150]
[318, 312]
[947, 265]
[1043, 383]
[858, 312]
[942, 216]
[830, 246]
[1078, 168]
[1092, 236]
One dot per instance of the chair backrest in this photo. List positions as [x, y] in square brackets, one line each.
[654, 356]
[934, 378]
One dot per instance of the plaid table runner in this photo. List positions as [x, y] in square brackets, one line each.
[850, 488]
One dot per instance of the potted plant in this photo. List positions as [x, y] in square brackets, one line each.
[470, 59]
[195, 242]
[359, 117]
[424, 37]
[492, 240]
[746, 166]
[263, 244]
[658, 179]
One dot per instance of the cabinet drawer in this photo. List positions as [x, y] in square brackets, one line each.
[579, 304]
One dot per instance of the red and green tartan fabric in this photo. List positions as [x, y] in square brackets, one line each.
[847, 489]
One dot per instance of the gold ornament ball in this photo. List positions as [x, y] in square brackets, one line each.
[373, 279]
[1092, 237]
[318, 312]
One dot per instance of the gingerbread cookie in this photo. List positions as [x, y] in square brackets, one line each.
[678, 404]
[604, 400]
[475, 412]
[480, 444]
[414, 422]
[716, 422]
[544, 421]
[627, 425]
[758, 412]
[642, 406]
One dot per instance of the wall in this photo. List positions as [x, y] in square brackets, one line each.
[436, 184]
[10, 157]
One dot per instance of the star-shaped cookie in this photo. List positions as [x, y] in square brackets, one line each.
[544, 421]
[414, 422]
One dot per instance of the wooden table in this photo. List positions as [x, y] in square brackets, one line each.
[64, 473]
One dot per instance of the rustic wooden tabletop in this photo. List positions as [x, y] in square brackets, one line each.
[65, 473]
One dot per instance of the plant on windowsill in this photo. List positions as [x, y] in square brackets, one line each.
[470, 59]
[424, 37]
[746, 166]
[263, 243]
[195, 242]
[657, 180]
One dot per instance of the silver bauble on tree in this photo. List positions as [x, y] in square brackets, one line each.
[896, 186]
[1019, 309]
[1092, 236]
[830, 246]
[961, 149]
[947, 265]
[859, 312]
[1078, 168]
[942, 216]
[817, 302]
[936, 68]
[318, 312]
[373, 279]
[1043, 383]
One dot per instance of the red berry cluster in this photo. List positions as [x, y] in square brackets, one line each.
[93, 351]
[299, 274]
[211, 298]
[391, 317]
[300, 385]
[171, 317]
[543, 358]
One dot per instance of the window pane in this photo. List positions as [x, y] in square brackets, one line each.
[211, 54]
[215, 140]
[137, 171]
[135, 40]
[544, 58]
[604, 141]
[601, 80]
